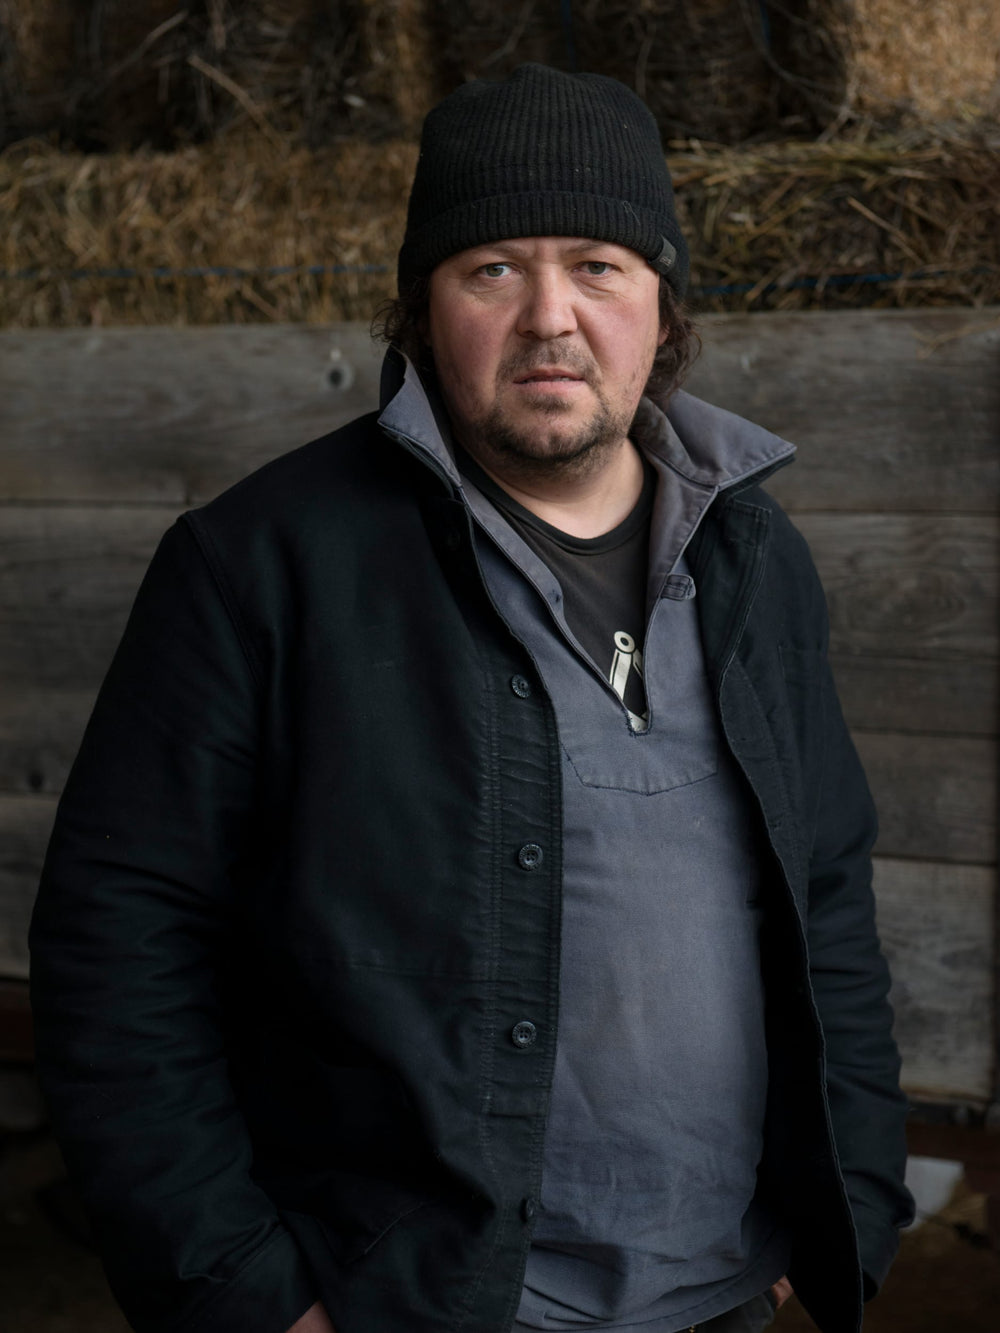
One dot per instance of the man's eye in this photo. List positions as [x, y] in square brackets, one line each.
[494, 270]
[597, 268]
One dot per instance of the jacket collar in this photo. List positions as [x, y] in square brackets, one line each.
[706, 445]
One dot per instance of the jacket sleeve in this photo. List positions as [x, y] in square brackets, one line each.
[850, 982]
[129, 928]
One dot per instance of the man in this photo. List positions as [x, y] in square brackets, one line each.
[459, 915]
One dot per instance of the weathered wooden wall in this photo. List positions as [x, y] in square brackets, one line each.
[106, 434]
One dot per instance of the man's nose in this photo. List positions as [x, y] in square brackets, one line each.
[548, 309]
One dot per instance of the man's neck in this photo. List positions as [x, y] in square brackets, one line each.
[586, 505]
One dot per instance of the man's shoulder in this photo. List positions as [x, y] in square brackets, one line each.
[346, 475]
[790, 589]
[758, 495]
[316, 468]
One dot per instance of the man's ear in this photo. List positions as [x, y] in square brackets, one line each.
[664, 334]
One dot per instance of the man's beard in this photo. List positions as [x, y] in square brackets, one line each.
[536, 451]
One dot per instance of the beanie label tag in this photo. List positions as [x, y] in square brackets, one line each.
[665, 260]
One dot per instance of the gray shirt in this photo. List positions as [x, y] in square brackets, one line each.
[649, 1209]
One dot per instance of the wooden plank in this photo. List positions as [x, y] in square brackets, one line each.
[170, 415]
[937, 928]
[67, 580]
[891, 409]
[960, 696]
[25, 825]
[909, 585]
[40, 732]
[936, 795]
[175, 415]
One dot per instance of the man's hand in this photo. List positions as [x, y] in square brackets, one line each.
[315, 1320]
[781, 1291]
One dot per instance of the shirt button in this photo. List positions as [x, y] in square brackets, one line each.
[521, 686]
[528, 1209]
[524, 1034]
[530, 856]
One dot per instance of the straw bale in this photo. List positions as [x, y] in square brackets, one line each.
[926, 60]
[890, 63]
[252, 204]
[486, 39]
[132, 87]
[111, 74]
[39, 42]
[166, 73]
[778, 226]
[702, 68]
[280, 63]
[400, 60]
[809, 225]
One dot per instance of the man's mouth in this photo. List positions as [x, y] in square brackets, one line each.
[553, 376]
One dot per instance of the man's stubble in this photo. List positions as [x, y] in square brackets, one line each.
[536, 452]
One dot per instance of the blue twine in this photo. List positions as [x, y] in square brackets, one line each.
[797, 284]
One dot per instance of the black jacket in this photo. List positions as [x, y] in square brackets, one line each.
[284, 936]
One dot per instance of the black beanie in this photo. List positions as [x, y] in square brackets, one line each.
[541, 154]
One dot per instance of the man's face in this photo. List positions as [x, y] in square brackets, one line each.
[542, 348]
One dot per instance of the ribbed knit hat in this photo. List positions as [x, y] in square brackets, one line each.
[542, 154]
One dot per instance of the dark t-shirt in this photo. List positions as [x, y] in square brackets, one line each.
[603, 581]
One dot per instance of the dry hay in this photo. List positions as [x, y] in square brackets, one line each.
[781, 226]
[803, 225]
[231, 203]
[108, 73]
[701, 66]
[166, 73]
[703, 69]
[105, 74]
[915, 61]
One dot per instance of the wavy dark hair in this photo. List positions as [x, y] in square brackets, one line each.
[402, 322]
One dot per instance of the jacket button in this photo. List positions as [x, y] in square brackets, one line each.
[528, 1209]
[521, 686]
[523, 1034]
[530, 856]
